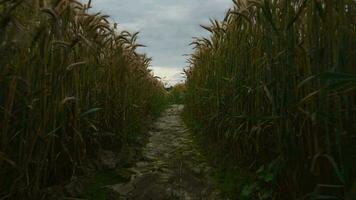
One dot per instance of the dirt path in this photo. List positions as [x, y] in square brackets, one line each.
[172, 167]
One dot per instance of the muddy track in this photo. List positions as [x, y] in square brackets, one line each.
[171, 168]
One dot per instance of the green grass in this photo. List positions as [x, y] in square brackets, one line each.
[229, 177]
[95, 190]
[230, 181]
[177, 94]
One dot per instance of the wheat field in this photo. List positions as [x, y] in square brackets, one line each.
[272, 91]
[66, 77]
[269, 99]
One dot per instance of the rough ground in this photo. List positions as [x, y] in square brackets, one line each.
[171, 168]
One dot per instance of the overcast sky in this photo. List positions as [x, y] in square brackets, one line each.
[166, 27]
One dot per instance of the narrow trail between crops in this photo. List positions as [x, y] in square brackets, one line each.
[172, 167]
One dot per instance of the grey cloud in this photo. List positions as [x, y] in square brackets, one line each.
[166, 26]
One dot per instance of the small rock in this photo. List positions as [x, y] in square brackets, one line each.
[154, 192]
[122, 189]
[124, 173]
[75, 188]
[197, 170]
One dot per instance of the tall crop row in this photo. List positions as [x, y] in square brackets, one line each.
[273, 90]
[66, 77]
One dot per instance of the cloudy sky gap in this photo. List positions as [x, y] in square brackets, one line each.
[166, 27]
